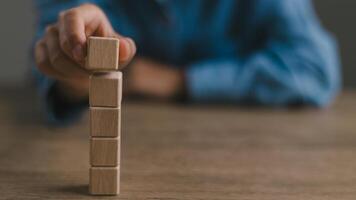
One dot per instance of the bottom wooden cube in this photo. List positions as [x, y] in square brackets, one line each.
[104, 181]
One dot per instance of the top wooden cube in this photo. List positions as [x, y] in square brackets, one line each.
[103, 54]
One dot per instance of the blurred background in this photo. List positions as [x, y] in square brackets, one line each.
[16, 37]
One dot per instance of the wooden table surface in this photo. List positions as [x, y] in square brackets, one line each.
[186, 152]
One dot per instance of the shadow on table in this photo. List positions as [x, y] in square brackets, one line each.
[74, 190]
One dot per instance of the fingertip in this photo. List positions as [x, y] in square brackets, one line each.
[127, 49]
[133, 46]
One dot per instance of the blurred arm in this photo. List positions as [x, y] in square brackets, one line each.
[297, 65]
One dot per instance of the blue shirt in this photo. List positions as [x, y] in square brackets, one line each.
[269, 52]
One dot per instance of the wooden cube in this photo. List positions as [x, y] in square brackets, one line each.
[104, 181]
[105, 89]
[105, 152]
[103, 54]
[105, 122]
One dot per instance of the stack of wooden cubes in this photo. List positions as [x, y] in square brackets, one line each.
[105, 96]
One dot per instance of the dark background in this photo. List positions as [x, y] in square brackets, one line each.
[17, 28]
[339, 17]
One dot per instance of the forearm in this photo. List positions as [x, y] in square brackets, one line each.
[270, 77]
[297, 63]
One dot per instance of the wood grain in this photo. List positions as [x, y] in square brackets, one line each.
[103, 54]
[104, 181]
[104, 152]
[105, 89]
[185, 152]
[105, 122]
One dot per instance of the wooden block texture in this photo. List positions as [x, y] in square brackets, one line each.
[104, 181]
[103, 54]
[105, 122]
[105, 89]
[105, 152]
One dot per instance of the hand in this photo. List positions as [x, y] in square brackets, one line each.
[152, 79]
[60, 54]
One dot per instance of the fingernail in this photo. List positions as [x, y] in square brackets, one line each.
[78, 53]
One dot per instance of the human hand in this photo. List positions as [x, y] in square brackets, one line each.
[152, 79]
[60, 54]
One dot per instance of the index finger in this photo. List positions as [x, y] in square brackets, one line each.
[78, 23]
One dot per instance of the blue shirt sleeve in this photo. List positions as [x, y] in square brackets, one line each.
[298, 64]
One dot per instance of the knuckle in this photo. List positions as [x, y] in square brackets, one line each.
[68, 14]
[50, 29]
[94, 8]
[61, 14]
[72, 13]
[89, 5]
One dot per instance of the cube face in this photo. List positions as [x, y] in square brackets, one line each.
[105, 122]
[103, 54]
[105, 152]
[105, 89]
[104, 181]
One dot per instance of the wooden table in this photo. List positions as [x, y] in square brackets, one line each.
[186, 152]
